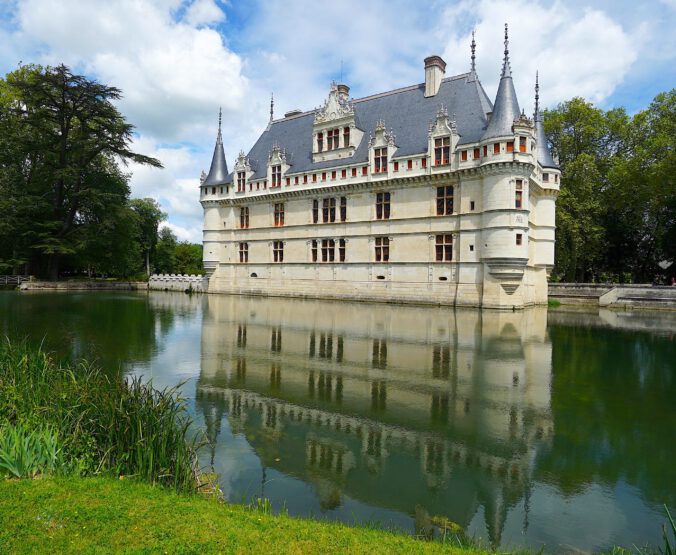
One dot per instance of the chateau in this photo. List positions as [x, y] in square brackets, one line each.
[426, 194]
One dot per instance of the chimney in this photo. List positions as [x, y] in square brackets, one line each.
[343, 90]
[435, 69]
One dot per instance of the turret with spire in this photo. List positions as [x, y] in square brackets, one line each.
[218, 172]
[544, 156]
[506, 106]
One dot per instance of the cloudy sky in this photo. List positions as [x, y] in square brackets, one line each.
[177, 61]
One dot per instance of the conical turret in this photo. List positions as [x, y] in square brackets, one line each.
[544, 156]
[218, 172]
[506, 106]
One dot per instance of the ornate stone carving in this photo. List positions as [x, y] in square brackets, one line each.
[382, 136]
[336, 106]
[443, 125]
[277, 156]
[242, 163]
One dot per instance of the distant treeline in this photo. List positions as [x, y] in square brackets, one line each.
[65, 206]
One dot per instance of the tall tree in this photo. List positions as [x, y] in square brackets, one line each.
[66, 134]
[149, 216]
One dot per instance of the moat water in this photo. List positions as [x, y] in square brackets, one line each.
[534, 428]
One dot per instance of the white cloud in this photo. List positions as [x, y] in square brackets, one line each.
[204, 12]
[580, 52]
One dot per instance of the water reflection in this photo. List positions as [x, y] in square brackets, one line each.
[395, 407]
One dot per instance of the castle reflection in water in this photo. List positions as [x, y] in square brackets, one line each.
[416, 410]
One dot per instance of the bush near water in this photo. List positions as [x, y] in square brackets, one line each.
[75, 419]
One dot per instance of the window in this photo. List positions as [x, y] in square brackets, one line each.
[364, 170]
[313, 250]
[329, 210]
[343, 209]
[463, 156]
[409, 165]
[471, 205]
[333, 174]
[354, 172]
[341, 250]
[314, 178]
[510, 146]
[496, 148]
[442, 151]
[343, 174]
[396, 166]
[288, 181]
[320, 142]
[522, 144]
[519, 239]
[295, 180]
[323, 176]
[518, 197]
[556, 178]
[444, 248]
[545, 177]
[424, 163]
[244, 217]
[276, 176]
[346, 137]
[305, 179]
[380, 160]
[328, 250]
[278, 251]
[244, 252]
[279, 213]
[445, 200]
[477, 154]
[213, 190]
[332, 139]
[383, 206]
[315, 211]
[485, 151]
[382, 249]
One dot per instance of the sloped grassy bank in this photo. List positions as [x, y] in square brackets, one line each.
[75, 515]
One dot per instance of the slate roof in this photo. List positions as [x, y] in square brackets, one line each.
[405, 111]
[544, 156]
[218, 172]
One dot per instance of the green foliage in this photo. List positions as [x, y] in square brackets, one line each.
[105, 425]
[61, 188]
[616, 212]
[27, 453]
[173, 257]
[149, 215]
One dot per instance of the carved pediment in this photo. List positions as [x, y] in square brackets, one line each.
[242, 163]
[443, 125]
[382, 136]
[277, 156]
[337, 106]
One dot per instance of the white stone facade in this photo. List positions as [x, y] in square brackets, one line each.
[492, 247]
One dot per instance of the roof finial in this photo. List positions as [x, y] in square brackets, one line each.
[506, 71]
[219, 137]
[272, 105]
[473, 53]
[537, 94]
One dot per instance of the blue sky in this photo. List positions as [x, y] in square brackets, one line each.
[177, 61]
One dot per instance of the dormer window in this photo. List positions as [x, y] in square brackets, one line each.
[346, 137]
[333, 136]
[320, 142]
[241, 181]
[380, 160]
[442, 151]
[276, 176]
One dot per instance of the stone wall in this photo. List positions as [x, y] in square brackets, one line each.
[615, 295]
[82, 285]
[178, 282]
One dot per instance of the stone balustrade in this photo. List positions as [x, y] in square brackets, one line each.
[178, 282]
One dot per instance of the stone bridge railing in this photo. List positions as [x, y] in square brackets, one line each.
[178, 282]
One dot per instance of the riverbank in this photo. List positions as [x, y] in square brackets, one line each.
[73, 515]
[77, 285]
[614, 296]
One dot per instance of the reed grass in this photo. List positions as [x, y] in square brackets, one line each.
[27, 453]
[106, 425]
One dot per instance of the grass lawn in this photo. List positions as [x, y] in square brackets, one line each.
[99, 515]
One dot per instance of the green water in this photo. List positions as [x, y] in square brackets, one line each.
[529, 428]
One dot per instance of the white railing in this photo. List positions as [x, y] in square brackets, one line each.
[178, 282]
[13, 280]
